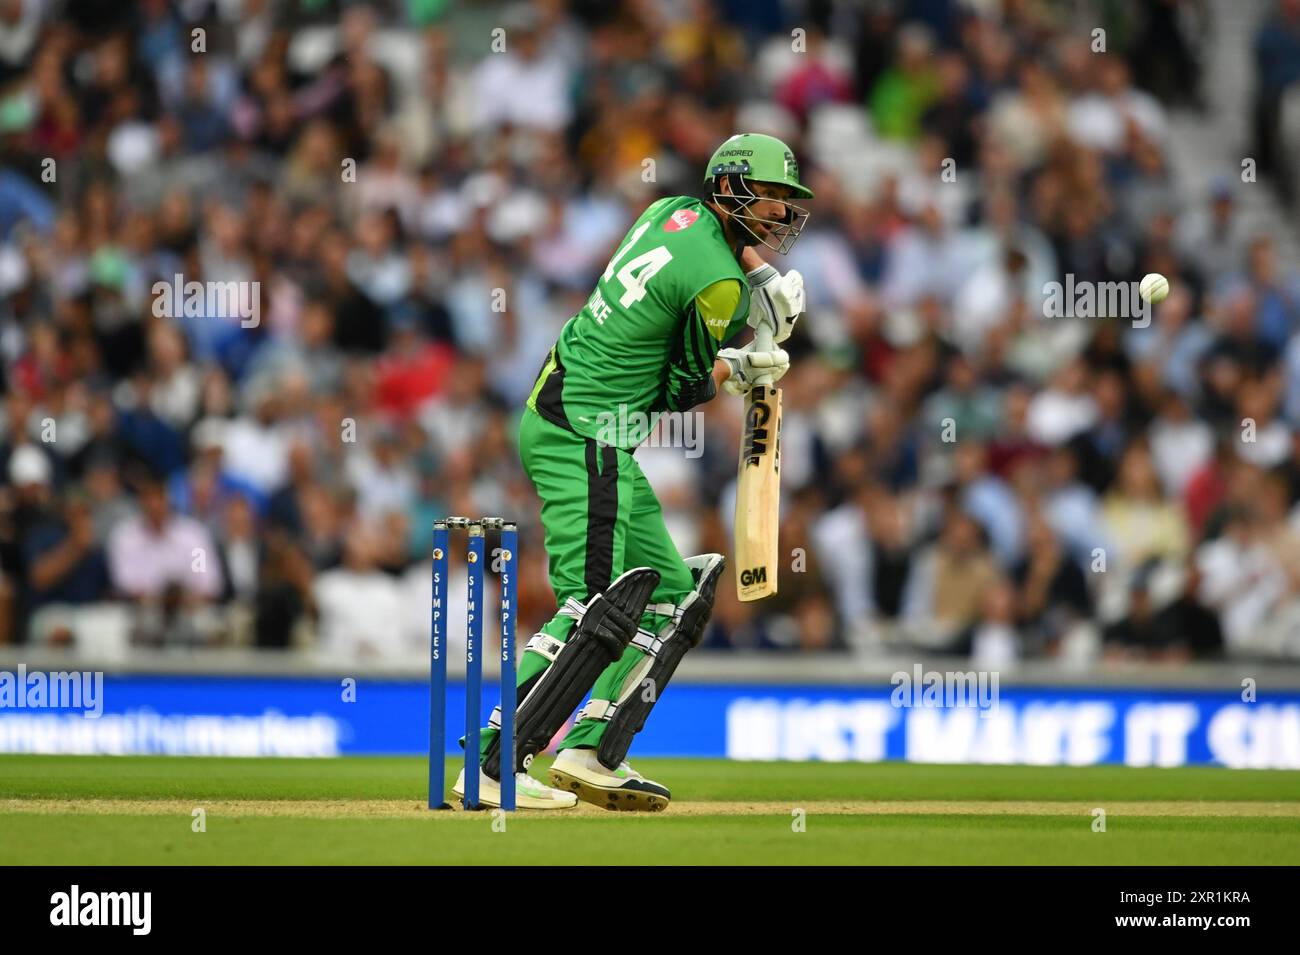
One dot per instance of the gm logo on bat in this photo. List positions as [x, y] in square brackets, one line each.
[756, 432]
[752, 576]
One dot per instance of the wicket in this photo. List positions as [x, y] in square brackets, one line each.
[477, 570]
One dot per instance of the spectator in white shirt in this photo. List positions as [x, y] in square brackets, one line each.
[1241, 579]
[1098, 120]
[359, 608]
[256, 448]
[1181, 444]
[1064, 409]
[1270, 444]
[525, 85]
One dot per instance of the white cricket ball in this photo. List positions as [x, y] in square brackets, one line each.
[1153, 287]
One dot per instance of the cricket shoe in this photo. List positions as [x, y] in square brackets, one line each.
[622, 790]
[530, 793]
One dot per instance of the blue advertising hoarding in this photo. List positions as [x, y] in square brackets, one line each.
[309, 717]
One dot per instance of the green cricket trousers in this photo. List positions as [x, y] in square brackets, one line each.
[600, 518]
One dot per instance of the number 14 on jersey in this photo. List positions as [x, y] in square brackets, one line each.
[633, 276]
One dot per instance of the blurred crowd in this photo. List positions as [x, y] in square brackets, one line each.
[415, 195]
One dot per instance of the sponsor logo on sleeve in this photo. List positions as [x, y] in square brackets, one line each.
[717, 327]
[681, 219]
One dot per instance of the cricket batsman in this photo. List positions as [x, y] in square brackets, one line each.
[685, 280]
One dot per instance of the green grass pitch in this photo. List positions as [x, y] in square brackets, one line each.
[74, 810]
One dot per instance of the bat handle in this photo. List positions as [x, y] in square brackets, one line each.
[763, 335]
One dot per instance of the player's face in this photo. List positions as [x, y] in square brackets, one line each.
[770, 205]
[766, 214]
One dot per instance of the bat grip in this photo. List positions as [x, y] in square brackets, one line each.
[763, 335]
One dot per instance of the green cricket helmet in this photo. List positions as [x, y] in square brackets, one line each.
[754, 157]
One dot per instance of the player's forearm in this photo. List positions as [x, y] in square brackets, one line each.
[750, 259]
[721, 372]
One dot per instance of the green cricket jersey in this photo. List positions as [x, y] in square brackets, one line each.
[646, 340]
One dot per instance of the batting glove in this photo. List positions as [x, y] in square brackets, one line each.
[746, 364]
[776, 298]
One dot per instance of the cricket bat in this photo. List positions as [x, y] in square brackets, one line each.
[758, 486]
